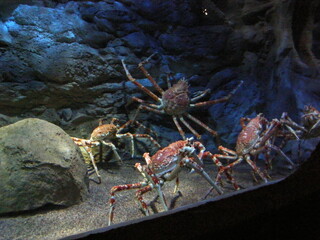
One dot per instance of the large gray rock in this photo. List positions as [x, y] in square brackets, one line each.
[39, 165]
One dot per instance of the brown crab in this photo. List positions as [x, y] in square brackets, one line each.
[104, 134]
[309, 127]
[163, 166]
[256, 137]
[311, 122]
[175, 101]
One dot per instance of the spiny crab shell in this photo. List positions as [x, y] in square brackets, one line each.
[176, 99]
[249, 136]
[104, 132]
[165, 157]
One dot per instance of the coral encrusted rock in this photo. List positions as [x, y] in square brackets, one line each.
[39, 165]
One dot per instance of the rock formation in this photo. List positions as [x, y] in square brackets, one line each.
[40, 165]
[61, 60]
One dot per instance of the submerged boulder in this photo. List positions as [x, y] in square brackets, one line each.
[39, 165]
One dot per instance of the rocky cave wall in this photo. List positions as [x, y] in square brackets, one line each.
[61, 60]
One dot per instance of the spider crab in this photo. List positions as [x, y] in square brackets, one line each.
[104, 134]
[163, 166]
[257, 136]
[175, 101]
[311, 121]
[310, 127]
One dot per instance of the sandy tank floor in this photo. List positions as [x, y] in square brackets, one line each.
[59, 222]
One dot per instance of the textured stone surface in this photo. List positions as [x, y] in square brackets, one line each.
[50, 58]
[39, 165]
[5, 37]
[59, 51]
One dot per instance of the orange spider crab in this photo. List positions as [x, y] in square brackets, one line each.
[175, 101]
[163, 166]
[257, 136]
[104, 134]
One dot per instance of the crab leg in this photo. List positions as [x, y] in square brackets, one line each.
[175, 120]
[255, 168]
[199, 145]
[161, 195]
[278, 150]
[269, 132]
[268, 163]
[144, 107]
[146, 103]
[315, 126]
[189, 151]
[155, 181]
[139, 85]
[223, 99]
[215, 158]
[128, 135]
[226, 150]
[214, 133]
[93, 163]
[145, 72]
[205, 175]
[310, 115]
[86, 144]
[176, 187]
[149, 130]
[285, 119]
[119, 188]
[201, 171]
[229, 166]
[200, 95]
[114, 149]
[128, 123]
[293, 132]
[139, 135]
[190, 128]
[132, 136]
[142, 203]
[139, 125]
